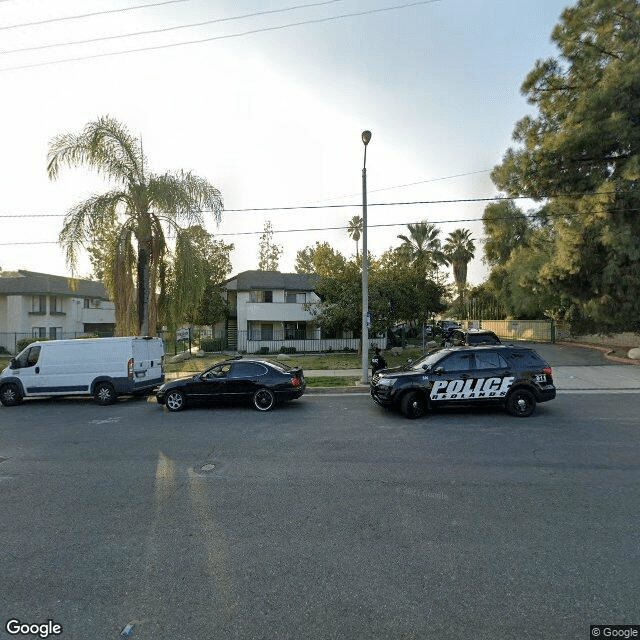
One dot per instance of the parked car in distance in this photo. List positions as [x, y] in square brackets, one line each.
[472, 337]
[513, 377]
[239, 380]
[102, 367]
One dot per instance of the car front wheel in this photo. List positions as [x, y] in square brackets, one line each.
[264, 400]
[413, 405]
[175, 400]
[10, 395]
[521, 403]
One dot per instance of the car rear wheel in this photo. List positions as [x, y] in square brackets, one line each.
[104, 393]
[10, 395]
[175, 400]
[413, 405]
[521, 403]
[264, 400]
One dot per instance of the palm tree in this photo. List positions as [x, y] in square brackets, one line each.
[423, 247]
[459, 249]
[355, 231]
[142, 203]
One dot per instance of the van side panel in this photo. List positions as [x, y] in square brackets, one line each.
[74, 367]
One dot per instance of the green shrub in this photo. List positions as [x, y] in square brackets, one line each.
[288, 350]
[211, 344]
[263, 350]
[24, 342]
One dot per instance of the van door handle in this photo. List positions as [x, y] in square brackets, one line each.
[37, 369]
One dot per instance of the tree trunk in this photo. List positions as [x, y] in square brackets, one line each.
[143, 278]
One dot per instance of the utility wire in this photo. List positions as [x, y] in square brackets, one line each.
[223, 37]
[167, 29]
[573, 214]
[88, 15]
[371, 204]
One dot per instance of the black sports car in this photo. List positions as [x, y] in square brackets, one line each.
[235, 381]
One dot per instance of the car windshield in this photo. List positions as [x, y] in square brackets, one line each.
[428, 361]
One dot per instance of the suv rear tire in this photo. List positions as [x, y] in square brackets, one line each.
[521, 403]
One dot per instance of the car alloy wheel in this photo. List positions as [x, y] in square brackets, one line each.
[10, 395]
[521, 403]
[263, 399]
[175, 401]
[104, 393]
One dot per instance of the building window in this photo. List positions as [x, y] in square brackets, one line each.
[39, 332]
[55, 304]
[55, 333]
[295, 330]
[39, 304]
[296, 296]
[261, 296]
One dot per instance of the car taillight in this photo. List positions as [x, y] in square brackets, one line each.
[548, 371]
[130, 368]
[295, 381]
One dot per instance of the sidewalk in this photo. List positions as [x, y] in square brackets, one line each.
[576, 378]
[612, 377]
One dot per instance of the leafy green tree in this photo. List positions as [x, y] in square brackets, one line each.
[459, 250]
[269, 255]
[199, 261]
[581, 152]
[142, 203]
[321, 259]
[355, 230]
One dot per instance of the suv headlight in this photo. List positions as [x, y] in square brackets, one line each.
[385, 382]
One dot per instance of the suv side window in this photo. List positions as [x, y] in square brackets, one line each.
[490, 360]
[456, 362]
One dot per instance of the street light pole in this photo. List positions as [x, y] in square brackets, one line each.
[366, 137]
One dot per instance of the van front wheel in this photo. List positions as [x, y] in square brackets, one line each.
[10, 395]
[104, 393]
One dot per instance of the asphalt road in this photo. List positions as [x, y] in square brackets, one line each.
[326, 518]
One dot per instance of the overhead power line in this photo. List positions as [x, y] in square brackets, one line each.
[88, 15]
[166, 29]
[222, 37]
[574, 214]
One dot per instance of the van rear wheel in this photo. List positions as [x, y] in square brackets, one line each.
[10, 394]
[104, 393]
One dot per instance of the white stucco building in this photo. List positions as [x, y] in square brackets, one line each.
[41, 305]
[273, 311]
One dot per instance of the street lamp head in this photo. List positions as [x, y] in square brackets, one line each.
[366, 136]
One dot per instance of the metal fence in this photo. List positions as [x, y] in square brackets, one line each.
[262, 342]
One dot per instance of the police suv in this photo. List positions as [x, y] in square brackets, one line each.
[514, 377]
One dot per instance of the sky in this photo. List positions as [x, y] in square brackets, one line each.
[267, 99]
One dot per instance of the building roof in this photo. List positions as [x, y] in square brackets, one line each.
[31, 283]
[248, 280]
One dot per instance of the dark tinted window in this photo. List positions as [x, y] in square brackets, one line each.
[247, 370]
[482, 338]
[490, 360]
[457, 362]
[527, 357]
[28, 358]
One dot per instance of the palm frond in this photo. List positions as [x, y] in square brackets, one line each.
[83, 219]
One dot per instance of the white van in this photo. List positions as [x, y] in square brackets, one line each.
[102, 367]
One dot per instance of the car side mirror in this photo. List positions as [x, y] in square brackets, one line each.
[12, 364]
[439, 371]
